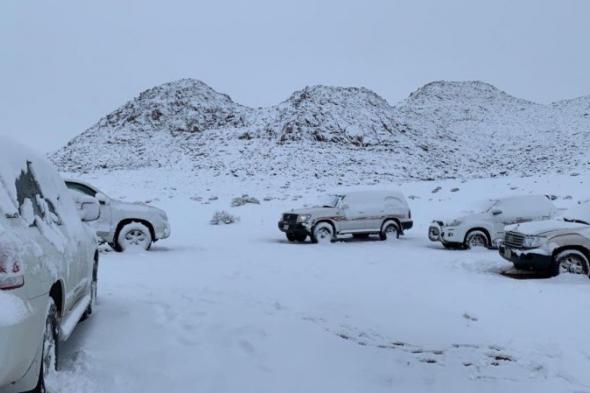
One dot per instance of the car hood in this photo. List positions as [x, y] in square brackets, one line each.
[315, 211]
[545, 227]
[138, 208]
[463, 218]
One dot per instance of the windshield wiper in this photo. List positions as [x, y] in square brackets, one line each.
[573, 220]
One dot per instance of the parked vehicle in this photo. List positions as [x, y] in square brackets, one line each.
[486, 228]
[358, 213]
[48, 267]
[555, 246]
[124, 225]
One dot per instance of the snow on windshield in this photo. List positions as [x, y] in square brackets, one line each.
[579, 213]
[329, 200]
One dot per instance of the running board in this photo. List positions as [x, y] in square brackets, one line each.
[69, 323]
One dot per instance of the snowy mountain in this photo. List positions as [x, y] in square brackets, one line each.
[442, 130]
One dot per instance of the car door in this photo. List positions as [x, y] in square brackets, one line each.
[102, 226]
[357, 211]
[40, 208]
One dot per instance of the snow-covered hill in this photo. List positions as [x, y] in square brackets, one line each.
[442, 130]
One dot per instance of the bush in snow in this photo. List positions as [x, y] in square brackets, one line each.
[244, 199]
[223, 217]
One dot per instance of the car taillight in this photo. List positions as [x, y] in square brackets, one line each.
[11, 271]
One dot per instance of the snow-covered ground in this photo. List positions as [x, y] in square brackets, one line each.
[238, 308]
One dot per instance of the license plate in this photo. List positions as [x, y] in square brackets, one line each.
[507, 252]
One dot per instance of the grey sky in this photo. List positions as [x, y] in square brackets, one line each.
[64, 64]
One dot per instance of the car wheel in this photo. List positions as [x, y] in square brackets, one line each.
[134, 236]
[301, 237]
[571, 262]
[476, 238]
[291, 237]
[390, 231]
[49, 354]
[323, 233]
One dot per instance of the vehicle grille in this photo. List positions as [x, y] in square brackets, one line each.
[514, 239]
[290, 218]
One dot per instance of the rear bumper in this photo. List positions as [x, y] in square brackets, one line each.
[534, 259]
[20, 346]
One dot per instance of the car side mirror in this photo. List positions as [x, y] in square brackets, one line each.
[101, 198]
[496, 212]
[89, 210]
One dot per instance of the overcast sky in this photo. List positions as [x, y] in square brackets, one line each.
[64, 64]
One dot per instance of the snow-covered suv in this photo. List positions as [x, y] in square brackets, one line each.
[486, 227]
[556, 246]
[358, 213]
[48, 267]
[124, 225]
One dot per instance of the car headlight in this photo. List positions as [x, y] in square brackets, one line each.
[303, 218]
[454, 223]
[533, 241]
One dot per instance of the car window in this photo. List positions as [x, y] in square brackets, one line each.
[31, 201]
[81, 188]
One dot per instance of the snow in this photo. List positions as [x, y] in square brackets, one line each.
[238, 308]
[14, 309]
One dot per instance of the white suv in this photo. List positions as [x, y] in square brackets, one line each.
[124, 225]
[486, 227]
[48, 267]
[356, 213]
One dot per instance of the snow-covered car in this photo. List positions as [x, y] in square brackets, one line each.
[556, 246]
[485, 228]
[358, 213]
[48, 267]
[124, 225]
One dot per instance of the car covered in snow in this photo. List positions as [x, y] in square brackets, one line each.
[356, 213]
[48, 267]
[124, 225]
[555, 246]
[485, 228]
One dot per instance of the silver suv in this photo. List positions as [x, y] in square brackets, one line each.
[358, 213]
[554, 246]
[124, 225]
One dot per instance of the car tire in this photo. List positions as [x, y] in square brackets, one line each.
[291, 237]
[322, 233]
[134, 235]
[50, 348]
[389, 231]
[301, 237]
[476, 238]
[571, 261]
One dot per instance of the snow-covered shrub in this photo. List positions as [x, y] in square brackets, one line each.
[244, 199]
[223, 217]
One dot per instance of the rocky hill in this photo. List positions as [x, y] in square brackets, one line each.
[443, 129]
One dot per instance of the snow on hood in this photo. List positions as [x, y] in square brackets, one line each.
[317, 210]
[12, 309]
[542, 227]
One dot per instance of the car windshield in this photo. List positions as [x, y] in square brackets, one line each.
[579, 214]
[488, 205]
[330, 200]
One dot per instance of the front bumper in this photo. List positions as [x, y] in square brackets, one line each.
[529, 259]
[294, 228]
[446, 235]
[19, 348]
[164, 231]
